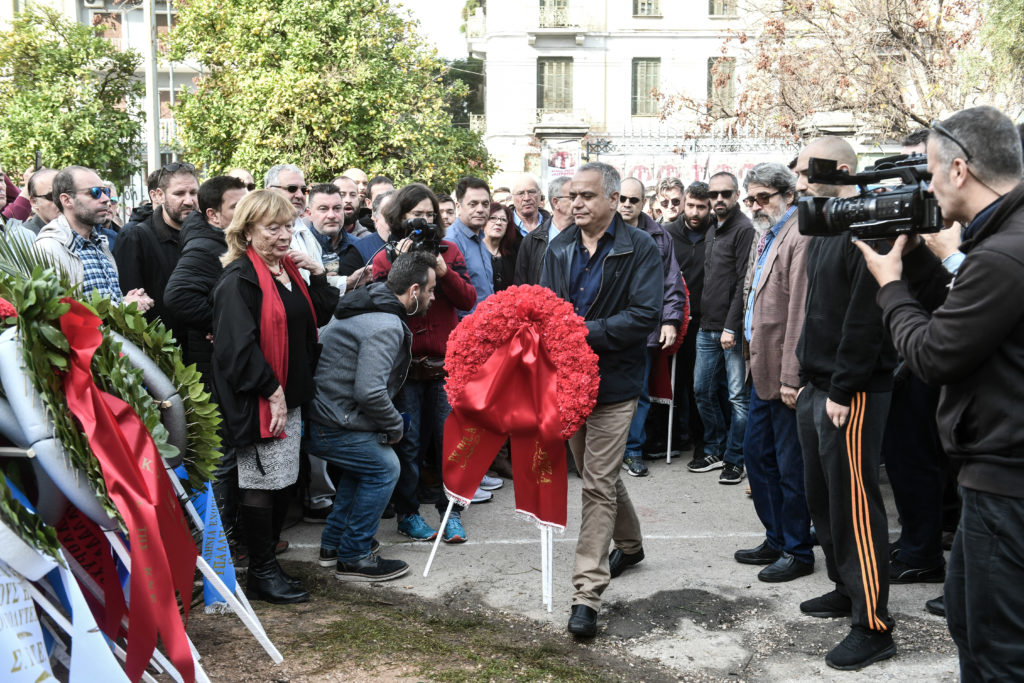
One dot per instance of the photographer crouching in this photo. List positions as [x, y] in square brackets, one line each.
[965, 333]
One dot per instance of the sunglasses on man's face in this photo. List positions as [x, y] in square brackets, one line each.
[292, 189]
[762, 198]
[632, 200]
[95, 192]
[676, 201]
[725, 194]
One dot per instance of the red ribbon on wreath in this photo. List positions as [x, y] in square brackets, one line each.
[163, 555]
[519, 368]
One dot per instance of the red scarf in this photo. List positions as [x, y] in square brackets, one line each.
[274, 328]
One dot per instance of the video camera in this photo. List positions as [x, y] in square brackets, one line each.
[422, 236]
[882, 211]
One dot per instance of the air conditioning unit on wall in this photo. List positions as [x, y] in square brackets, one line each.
[94, 4]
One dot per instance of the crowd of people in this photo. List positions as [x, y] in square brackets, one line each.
[319, 316]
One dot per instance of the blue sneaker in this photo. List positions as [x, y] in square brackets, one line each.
[416, 528]
[454, 532]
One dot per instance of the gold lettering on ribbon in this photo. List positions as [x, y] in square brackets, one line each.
[466, 447]
[541, 465]
[143, 538]
[146, 462]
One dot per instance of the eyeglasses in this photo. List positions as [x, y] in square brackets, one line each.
[292, 189]
[725, 194]
[560, 196]
[938, 128]
[761, 198]
[250, 186]
[525, 193]
[676, 201]
[498, 220]
[422, 214]
[95, 192]
[632, 200]
[48, 196]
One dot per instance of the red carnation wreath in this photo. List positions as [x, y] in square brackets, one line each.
[563, 335]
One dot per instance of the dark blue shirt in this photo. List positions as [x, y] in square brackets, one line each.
[975, 225]
[585, 278]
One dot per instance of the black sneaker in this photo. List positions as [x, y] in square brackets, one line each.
[329, 556]
[861, 647]
[371, 568]
[706, 463]
[900, 572]
[731, 474]
[635, 466]
[830, 605]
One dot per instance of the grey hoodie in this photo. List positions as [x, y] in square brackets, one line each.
[367, 348]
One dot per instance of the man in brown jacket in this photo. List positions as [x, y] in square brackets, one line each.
[773, 319]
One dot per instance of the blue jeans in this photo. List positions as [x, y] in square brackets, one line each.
[714, 362]
[775, 465]
[426, 404]
[368, 472]
[637, 436]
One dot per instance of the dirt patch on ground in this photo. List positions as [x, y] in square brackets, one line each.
[358, 632]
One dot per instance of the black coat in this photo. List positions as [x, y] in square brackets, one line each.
[146, 254]
[240, 372]
[726, 256]
[627, 307]
[187, 296]
[530, 259]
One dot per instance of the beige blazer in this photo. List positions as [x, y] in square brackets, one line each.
[779, 313]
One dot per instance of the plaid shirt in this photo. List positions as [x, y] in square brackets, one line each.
[100, 273]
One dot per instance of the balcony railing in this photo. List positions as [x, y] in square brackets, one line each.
[559, 116]
[558, 17]
[476, 25]
[478, 123]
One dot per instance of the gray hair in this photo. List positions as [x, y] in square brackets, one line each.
[772, 174]
[990, 139]
[275, 172]
[666, 184]
[610, 179]
[555, 187]
[378, 200]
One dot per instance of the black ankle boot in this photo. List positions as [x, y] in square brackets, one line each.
[279, 513]
[266, 581]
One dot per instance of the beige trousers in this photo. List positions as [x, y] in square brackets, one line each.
[608, 513]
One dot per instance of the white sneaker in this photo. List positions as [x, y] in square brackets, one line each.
[482, 496]
[491, 483]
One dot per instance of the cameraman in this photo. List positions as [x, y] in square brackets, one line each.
[846, 366]
[972, 344]
[422, 397]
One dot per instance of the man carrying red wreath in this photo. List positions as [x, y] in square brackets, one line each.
[611, 273]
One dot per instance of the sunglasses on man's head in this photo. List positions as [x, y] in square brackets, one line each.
[725, 194]
[292, 189]
[250, 186]
[632, 200]
[95, 192]
[762, 198]
[176, 166]
[676, 201]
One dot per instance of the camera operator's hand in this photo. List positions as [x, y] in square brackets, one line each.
[886, 268]
[359, 277]
[303, 260]
[944, 243]
[403, 245]
[442, 267]
[728, 340]
[837, 413]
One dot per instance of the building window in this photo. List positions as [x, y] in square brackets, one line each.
[646, 80]
[554, 84]
[721, 85]
[646, 8]
[722, 8]
[554, 13]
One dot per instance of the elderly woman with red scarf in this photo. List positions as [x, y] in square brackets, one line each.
[265, 349]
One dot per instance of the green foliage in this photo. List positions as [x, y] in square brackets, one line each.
[1003, 33]
[324, 84]
[470, 73]
[69, 93]
[28, 525]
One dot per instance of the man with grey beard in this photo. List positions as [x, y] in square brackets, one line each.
[773, 318]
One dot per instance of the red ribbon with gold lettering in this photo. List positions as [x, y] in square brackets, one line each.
[163, 555]
[514, 394]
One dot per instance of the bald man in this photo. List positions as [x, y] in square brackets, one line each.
[846, 363]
